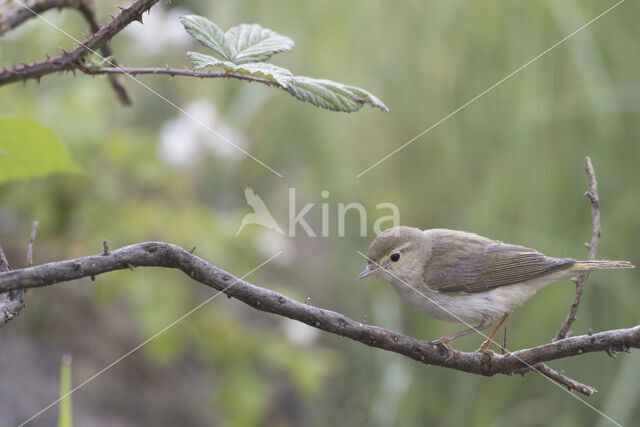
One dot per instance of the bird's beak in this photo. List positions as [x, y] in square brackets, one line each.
[367, 271]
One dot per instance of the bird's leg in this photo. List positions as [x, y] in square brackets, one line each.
[444, 341]
[485, 344]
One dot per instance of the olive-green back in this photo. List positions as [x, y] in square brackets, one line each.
[467, 263]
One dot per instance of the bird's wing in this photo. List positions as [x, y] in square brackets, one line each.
[486, 266]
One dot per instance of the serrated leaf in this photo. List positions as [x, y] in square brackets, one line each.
[264, 70]
[332, 95]
[368, 97]
[28, 149]
[207, 33]
[253, 43]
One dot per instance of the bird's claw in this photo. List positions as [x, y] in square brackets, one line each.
[444, 344]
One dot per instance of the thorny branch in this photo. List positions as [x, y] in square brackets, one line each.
[12, 14]
[71, 61]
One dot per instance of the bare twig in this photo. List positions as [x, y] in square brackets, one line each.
[563, 379]
[32, 239]
[158, 254]
[592, 194]
[12, 14]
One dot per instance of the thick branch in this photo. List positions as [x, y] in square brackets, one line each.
[157, 254]
[592, 194]
[69, 61]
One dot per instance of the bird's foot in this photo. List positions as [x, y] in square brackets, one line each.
[487, 351]
[444, 343]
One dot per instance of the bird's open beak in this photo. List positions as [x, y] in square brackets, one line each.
[367, 271]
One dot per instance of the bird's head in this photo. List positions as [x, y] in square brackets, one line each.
[398, 254]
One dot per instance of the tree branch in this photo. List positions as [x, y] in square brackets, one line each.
[592, 194]
[70, 61]
[13, 14]
[158, 254]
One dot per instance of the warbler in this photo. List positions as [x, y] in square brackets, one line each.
[456, 276]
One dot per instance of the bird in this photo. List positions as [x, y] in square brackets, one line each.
[457, 276]
[260, 214]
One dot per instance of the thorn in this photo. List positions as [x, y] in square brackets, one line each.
[105, 246]
[587, 245]
[131, 267]
[193, 249]
[590, 332]
[308, 301]
[611, 352]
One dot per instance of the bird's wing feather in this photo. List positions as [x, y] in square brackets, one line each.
[475, 265]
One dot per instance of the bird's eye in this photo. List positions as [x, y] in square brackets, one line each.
[395, 257]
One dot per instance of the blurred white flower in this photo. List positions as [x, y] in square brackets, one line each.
[299, 333]
[184, 139]
[161, 30]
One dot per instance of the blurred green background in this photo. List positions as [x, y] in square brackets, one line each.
[509, 166]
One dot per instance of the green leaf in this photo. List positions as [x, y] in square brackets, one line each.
[367, 97]
[332, 95]
[278, 75]
[252, 43]
[207, 33]
[65, 412]
[245, 47]
[28, 149]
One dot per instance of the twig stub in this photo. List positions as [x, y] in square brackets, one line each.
[32, 239]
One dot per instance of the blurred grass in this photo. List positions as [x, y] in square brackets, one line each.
[509, 166]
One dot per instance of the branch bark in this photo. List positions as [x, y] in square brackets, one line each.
[158, 254]
[13, 14]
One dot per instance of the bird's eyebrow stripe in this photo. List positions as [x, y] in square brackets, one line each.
[399, 248]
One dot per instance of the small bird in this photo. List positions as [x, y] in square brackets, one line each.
[457, 276]
[260, 214]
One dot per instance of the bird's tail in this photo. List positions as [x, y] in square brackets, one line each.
[585, 266]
